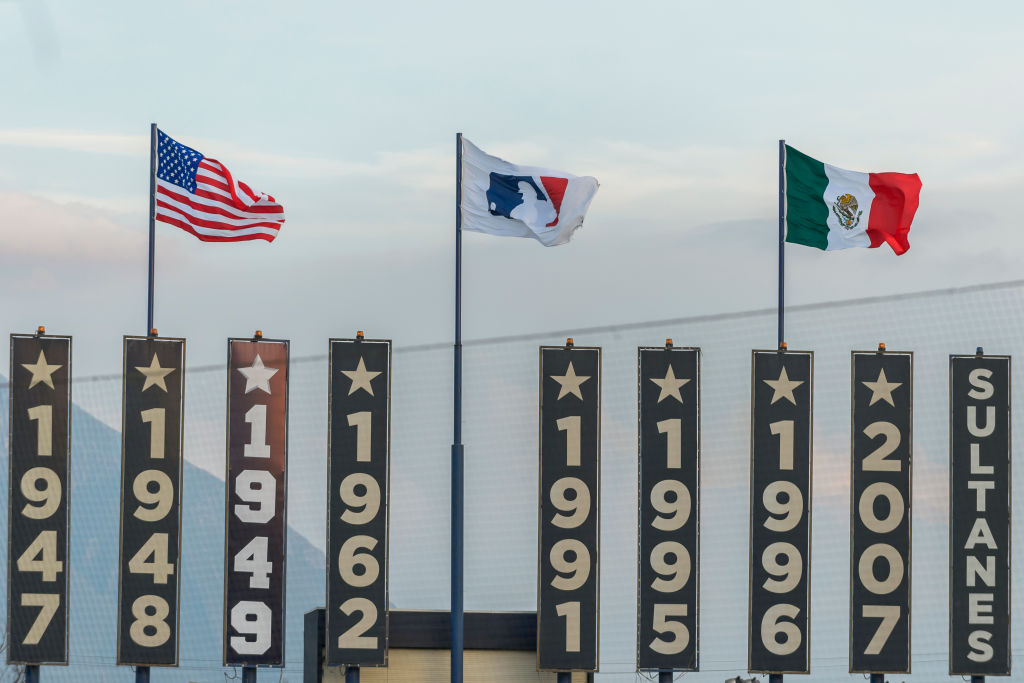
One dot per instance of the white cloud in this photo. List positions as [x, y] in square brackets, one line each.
[75, 141]
[46, 236]
[422, 168]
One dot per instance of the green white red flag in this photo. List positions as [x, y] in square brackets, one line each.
[831, 208]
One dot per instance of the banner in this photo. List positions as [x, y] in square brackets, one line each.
[359, 432]
[780, 512]
[148, 567]
[979, 515]
[668, 588]
[881, 446]
[255, 528]
[570, 452]
[37, 542]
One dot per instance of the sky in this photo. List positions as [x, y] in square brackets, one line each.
[347, 114]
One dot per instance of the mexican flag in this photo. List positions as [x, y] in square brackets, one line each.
[832, 208]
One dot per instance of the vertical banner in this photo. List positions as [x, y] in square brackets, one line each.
[254, 539]
[148, 567]
[37, 543]
[358, 444]
[881, 443]
[668, 571]
[568, 552]
[979, 515]
[780, 512]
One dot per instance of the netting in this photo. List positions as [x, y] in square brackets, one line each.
[500, 433]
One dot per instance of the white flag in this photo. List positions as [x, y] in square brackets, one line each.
[500, 198]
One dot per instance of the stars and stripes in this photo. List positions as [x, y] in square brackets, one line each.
[200, 196]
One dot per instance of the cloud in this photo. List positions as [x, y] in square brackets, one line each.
[75, 141]
[420, 168]
[46, 236]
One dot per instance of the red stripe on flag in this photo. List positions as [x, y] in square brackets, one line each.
[216, 225]
[556, 191]
[226, 201]
[892, 211]
[219, 169]
[212, 238]
[228, 209]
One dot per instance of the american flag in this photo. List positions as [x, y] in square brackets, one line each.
[200, 196]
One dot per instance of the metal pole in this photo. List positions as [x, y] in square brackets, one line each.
[977, 679]
[248, 674]
[877, 678]
[564, 677]
[352, 674]
[782, 242]
[142, 674]
[458, 463]
[31, 673]
[664, 677]
[774, 678]
[152, 220]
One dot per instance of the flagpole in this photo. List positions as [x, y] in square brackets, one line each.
[777, 678]
[142, 672]
[152, 221]
[782, 241]
[457, 450]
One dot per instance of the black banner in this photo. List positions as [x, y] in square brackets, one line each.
[254, 559]
[881, 446]
[780, 512]
[669, 509]
[148, 567]
[570, 453]
[979, 515]
[358, 439]
[37, 544]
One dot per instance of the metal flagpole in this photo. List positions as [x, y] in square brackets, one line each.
[142, 672]
[152, 220]
[782, 241]
[457, 451]
[777, 678]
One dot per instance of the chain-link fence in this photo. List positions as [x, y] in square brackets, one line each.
[500, 433]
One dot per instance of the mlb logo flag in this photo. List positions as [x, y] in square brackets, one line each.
[500, 198]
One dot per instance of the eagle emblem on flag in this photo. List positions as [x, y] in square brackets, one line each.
[845, 208]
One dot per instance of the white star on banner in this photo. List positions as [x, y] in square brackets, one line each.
[361, 378]
[669, 385]
[570, 383]
[154, 374]
[881, 389]
[41, 371]
[783, 387]
[257, 376]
